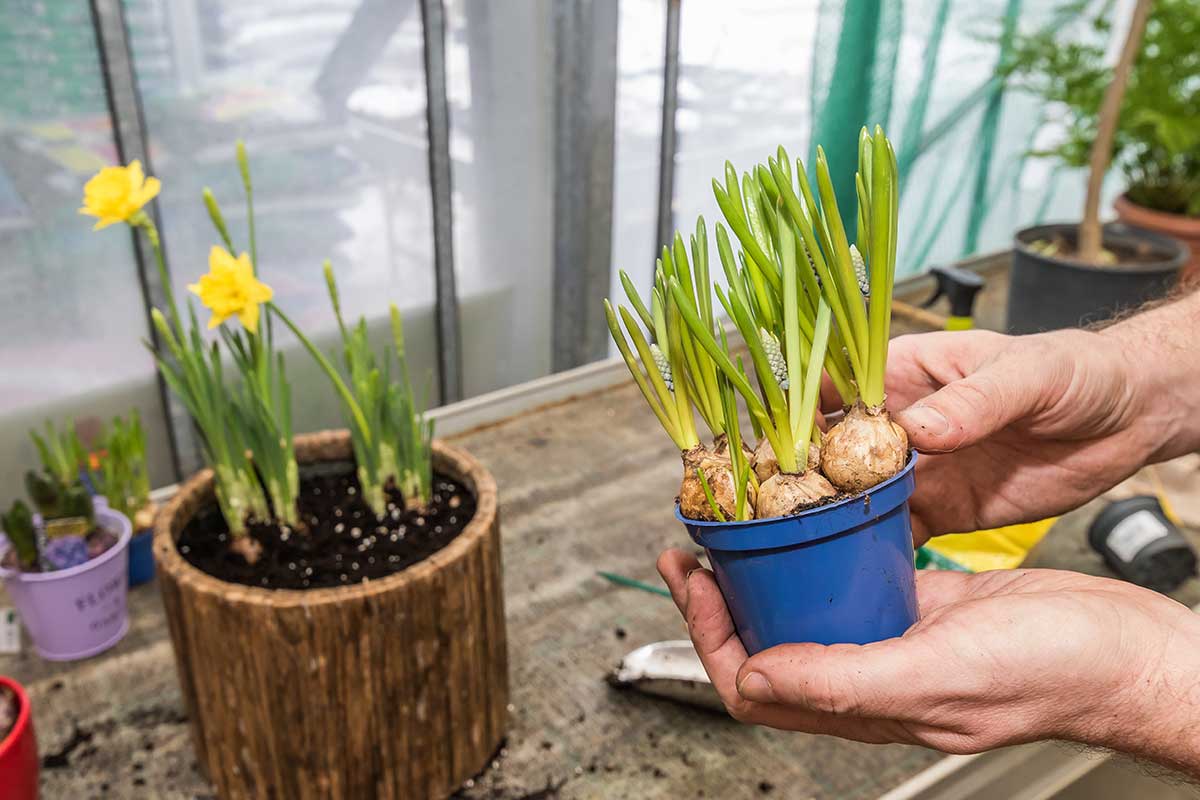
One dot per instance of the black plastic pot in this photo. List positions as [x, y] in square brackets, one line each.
[1046, 293]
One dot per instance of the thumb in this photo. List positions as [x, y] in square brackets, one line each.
[967, 411]
[880, 680]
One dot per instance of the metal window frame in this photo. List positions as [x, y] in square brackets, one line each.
[584, 42]
[129, 134]
[441, 188]
[583, 56]
[667, 143]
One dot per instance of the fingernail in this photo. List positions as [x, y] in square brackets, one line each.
[756, 688]
[927, 418]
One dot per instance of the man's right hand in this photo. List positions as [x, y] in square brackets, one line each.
[1016, 428]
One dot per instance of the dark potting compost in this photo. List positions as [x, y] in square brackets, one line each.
[344, 544]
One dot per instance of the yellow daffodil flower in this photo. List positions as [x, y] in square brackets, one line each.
[116, 194]
[230, 288]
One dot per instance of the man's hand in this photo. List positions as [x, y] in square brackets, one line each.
[1019, 428]
[998, 658]
[1014, 429]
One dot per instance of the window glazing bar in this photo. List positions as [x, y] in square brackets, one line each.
[129, 133]
[437, 115]
[585, 93]
[667, 145]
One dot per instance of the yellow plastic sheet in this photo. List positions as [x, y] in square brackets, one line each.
[999, 548]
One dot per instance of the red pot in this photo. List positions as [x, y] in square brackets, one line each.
[1184, 228]
[18, 752]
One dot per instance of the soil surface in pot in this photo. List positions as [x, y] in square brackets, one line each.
[344, 543]
[8, 712]
[1119, 255]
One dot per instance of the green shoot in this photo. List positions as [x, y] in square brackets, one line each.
[57, 489]
[743, 475]
[263, 400]
[192, 369]
[61, 452]
[658, 389]
[699, 373]
[405, 422]
[708, 495]
[122, 475]
[17, 524]
[780, 408]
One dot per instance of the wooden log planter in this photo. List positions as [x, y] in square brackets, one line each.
[396, 688]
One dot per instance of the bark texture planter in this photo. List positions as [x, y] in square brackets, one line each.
[1185, 229]
[1048, 292]
[397, 688]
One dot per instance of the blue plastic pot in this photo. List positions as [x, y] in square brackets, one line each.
[841, 573]
[141, 557]
[141, 550]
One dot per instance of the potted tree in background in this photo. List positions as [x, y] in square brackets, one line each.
[1139, 115]
[334, 599]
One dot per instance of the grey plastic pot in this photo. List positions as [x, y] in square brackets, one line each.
[1046, 293]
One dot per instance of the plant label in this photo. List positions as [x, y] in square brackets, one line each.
[1134, 532]
[10, 631]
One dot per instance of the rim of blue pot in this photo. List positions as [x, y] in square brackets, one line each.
[821, 522]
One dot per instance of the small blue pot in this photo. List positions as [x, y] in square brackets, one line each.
[841, 573]
[141, 557]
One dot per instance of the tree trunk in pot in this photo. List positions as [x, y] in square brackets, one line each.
[396, 688]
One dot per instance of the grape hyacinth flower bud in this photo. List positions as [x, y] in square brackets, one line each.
[664, 366]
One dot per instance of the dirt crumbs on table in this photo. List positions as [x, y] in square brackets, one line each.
[344, 542]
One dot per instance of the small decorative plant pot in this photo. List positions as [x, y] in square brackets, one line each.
[839, 573]
[1047, 292]
[78, 612]
[18, 751]
[393, 688]
[141, 550]
[141, 557]
[1184, 228]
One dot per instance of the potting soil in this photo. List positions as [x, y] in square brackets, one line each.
[344, 542]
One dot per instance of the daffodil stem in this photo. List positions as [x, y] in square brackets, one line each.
[164, 277]
[360, 419]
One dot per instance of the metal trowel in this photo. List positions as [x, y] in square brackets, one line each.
[667, 669]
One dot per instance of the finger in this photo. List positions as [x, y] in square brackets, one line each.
[716, 641]
[968, 410]
[882, 680]
[831, 399]
[674, 566]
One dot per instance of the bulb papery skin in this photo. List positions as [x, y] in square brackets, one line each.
[864, 449]
[720, 448]
[693, 503]
[786, 493]
[765, 464]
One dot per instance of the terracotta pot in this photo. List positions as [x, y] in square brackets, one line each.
[1184, 228]
[18, 751]
[396, 688]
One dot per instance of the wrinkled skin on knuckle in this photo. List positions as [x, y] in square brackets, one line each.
[740, 709]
